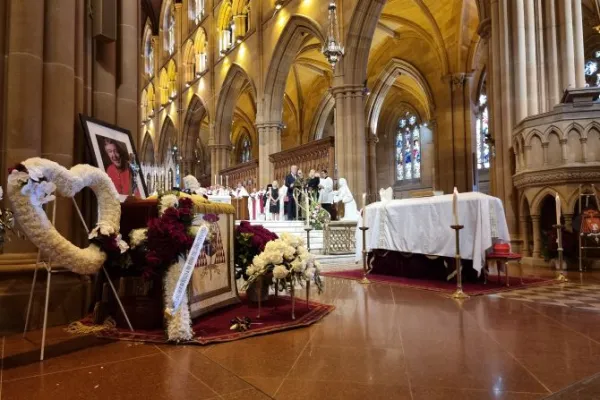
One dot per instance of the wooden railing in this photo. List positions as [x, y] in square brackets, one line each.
[317, 155]
[246, 173]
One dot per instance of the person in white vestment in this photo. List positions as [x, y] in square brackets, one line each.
[240, 192]
[344, 195]
[282, 193]
[326, 192]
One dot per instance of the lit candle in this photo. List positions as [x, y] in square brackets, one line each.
[364, 208]
[221, 180]
[558, 210]
[227, 180]
[455, 206]
[307, 211]
[215, 179]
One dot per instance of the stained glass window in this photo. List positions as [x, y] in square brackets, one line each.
[246, 150]
[482, 131]
[169, 31]
[592, 75]
[408, 149]
[149, 56]
[196, 10]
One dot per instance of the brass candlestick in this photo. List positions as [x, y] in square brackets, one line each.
[365, 254]
[307, 229]
[458, 294]
[560, 276]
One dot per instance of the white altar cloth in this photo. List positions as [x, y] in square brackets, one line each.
[423, 226]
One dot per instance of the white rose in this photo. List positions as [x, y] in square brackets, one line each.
[280, 272]
[123, 246]
[298, 266]
[309, 274]
[17, 178]
[137, 237]
[251, 270]
[259, 262]
[167, 202]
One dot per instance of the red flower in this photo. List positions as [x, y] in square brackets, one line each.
[185, 202]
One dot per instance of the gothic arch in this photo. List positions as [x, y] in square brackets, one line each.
[533, 134]
[168, 137]
[147, 155]
[234, 84]
[549, 131]
[320, 118]
[594, 125]
[536, 203]
[196, 113]
[385, 81]
[284, 54]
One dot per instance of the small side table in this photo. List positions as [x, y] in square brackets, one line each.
[503, 259]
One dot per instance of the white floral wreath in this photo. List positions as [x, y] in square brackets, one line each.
[29, 188]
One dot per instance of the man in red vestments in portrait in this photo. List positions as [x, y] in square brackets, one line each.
[118, 170]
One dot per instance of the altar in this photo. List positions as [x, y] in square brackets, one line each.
[423, 226]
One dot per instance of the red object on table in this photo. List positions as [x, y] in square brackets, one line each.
[501, 254]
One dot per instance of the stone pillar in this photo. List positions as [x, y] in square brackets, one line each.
[372, 185]
[584, 149]
[542, 69]
[578, 39]
[537, 236]
[554, 85]
[520, 63]
[568, 222]
[532, 64]
[463, 174]
[127, 90]
[524, 236]
[58, 115]
[563, 149]
[568, 53]
[269, 142]
[104, 84]
[545, 152]
[495, 99]
[22, 132]
[219, 159]
[350, 137]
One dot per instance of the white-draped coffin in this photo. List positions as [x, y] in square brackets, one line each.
[423, 226]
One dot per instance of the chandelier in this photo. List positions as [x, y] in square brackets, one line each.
[333, 49]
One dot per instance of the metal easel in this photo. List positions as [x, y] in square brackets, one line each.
[48, 266]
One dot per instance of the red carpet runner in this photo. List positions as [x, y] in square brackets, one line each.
[214, 327]
[472, 289]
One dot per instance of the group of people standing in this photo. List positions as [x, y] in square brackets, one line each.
[319, 186]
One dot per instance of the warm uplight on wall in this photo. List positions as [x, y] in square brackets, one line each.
[278, 5]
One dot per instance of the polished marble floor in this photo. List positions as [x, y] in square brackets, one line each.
[381, 342]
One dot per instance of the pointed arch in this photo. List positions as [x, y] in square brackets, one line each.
[196, 113]
[188, 61]
[148, 50]
[147, 156]
[167, 139]
[394, 68]
[284, 54]
[200, 52]
[167, 27]
[234, 85]
[320, 118]
[549, 130]
[536, 203]
[533, 133]
[225, 27]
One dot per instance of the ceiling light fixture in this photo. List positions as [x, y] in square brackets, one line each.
[333, 49]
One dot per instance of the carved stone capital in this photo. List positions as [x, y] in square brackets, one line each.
[457, 81]
[270, 125]
[348, 90]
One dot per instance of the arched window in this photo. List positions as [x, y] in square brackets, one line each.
[148, 54]
[151, 97]
[245, 149]
[241, 19]
[482, 130]
[196, 10]
[169, 30]
[226, 27]
[200, 46]
[408, 149]
[592, 75]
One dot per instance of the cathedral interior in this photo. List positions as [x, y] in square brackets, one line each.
[498, 97]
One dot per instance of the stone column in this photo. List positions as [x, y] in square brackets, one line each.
[219, 159]
[22, 132]
[541, 68]
[521, 61]
[554, 86]
[495, 99]
[532, 65]
[584, 149]
[269, 142]
[104, 84]
[372, 185]
[463, 173]
[545, 152]
[578, 39]
[350, 137]
[58, 115]
[537, 237]
[568, 53]
[127, 90]
[563, 149]
[524, 236]
[568, 222]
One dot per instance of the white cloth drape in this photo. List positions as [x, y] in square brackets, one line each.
[423, 226]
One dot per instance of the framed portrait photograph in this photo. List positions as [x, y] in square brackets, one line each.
[113, 150]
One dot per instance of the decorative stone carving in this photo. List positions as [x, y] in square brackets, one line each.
[556, 177]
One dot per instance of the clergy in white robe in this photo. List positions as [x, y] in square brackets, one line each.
[344, 195]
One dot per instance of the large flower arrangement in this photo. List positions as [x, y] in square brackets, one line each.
[318, 215]
[7, 224]
[288, 261]
[250, 241]
[33, 184]
[164, 245]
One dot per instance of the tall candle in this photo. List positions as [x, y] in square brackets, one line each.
[455, 206]
[227, 180]
[215, 179]
[221, 180]
[364, 208]
[307, 211]
[558, 210]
